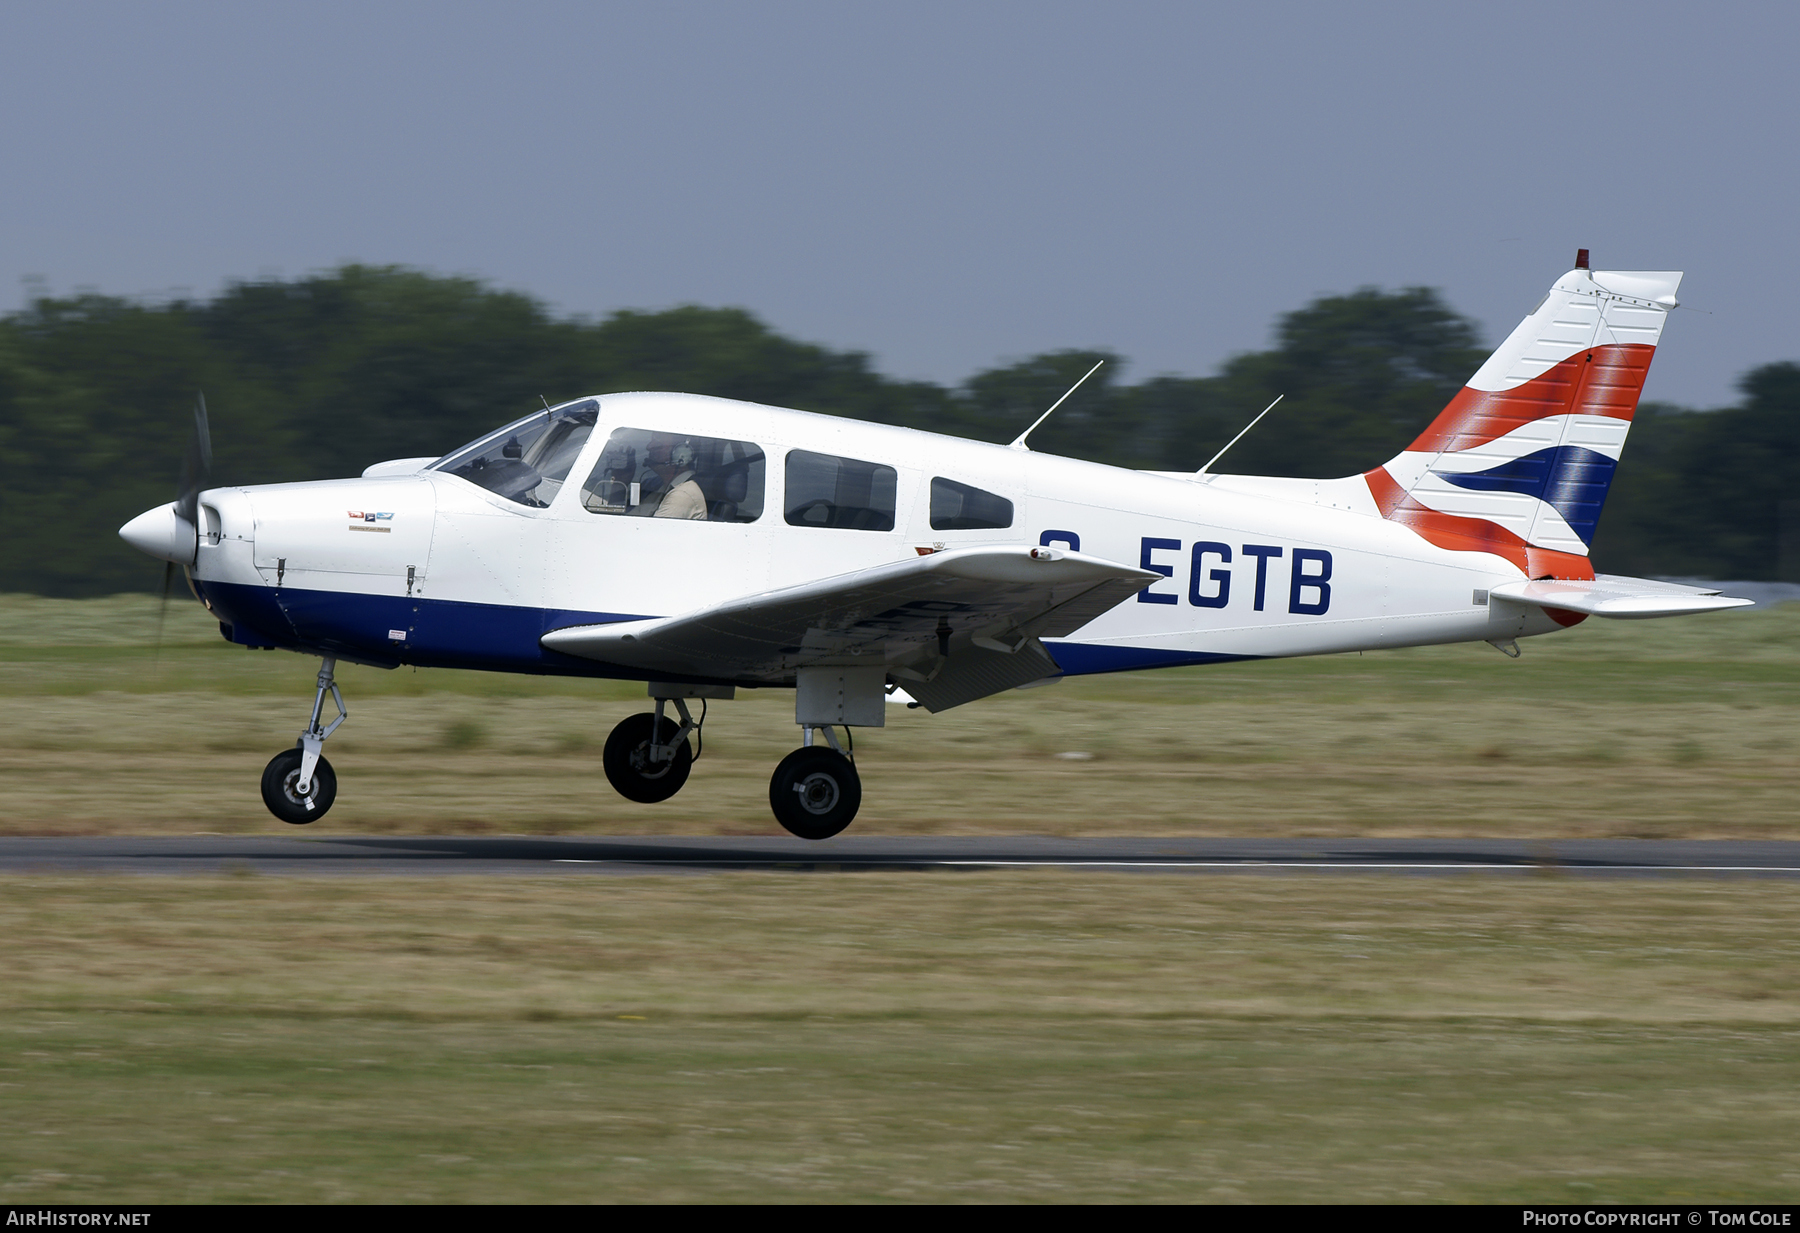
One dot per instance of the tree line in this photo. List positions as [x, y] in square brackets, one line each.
[320, 376]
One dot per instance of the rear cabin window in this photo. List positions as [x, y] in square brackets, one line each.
[651, 474]
[959, 507]
[824, 490]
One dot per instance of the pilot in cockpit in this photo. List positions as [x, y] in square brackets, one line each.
[676, 494]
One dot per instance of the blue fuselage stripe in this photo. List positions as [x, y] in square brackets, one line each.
[436, 633]
[1089, 658]
[440, 633]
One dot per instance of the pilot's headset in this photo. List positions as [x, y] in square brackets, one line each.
[682, 457]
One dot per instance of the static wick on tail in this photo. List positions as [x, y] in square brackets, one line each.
[1018, 442]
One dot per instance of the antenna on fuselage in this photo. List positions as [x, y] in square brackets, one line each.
[1018, 442]
[1247, 427]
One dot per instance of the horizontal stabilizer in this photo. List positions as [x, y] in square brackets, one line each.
[1609, 595]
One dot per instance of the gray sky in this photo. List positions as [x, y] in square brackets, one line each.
[947, 186]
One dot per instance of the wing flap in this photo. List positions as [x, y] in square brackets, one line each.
[1611, 595]
[975, 672]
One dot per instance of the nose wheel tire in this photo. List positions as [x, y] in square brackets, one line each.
[628, 765]
[280, 780]
[815, 792]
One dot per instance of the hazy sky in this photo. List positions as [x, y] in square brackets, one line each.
[946, 186]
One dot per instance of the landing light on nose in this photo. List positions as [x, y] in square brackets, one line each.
[163, 534]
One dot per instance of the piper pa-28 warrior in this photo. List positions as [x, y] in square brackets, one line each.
[705, 546]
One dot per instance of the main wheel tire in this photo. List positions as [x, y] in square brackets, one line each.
[815, 792]
[627, 760]
[279, 780]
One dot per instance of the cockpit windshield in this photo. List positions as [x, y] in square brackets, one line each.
[527, 460]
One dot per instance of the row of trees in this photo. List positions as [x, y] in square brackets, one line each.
[323, 375]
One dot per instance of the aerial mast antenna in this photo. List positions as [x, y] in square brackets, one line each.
[1018, 442]
[1247, 427]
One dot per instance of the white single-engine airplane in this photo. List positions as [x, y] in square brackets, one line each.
[705, 546]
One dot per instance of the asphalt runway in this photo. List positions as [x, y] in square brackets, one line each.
[404, 856]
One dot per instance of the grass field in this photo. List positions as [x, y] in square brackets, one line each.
[911, 1037]
[1658, 729]
[903, 1037]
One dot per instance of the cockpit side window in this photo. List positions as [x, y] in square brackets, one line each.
[960, 507]
[826, 491]
[528, 460]
[656, 474]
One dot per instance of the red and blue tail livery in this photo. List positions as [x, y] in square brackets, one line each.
[1520, 461]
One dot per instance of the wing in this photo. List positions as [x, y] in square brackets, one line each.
[1610, 595]
[952, 626]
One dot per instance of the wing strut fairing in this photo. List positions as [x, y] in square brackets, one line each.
[952, 626]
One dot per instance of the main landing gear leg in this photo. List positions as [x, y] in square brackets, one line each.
[815, 791]
[299, 785]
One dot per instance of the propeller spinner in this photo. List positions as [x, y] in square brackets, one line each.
[172, 532]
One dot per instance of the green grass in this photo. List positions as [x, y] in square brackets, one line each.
[911, 1037]
[981, 1037]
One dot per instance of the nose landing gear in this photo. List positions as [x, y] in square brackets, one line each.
[281, 788]
[299, 785]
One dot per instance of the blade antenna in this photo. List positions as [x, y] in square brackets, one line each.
[1018, 442]
[1246, 428]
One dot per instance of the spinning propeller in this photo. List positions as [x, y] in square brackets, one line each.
[172, 531]
[196, 471]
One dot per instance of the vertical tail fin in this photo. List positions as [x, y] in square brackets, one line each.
[1520, 461]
